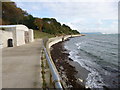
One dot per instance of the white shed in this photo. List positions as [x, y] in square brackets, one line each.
[15, 34]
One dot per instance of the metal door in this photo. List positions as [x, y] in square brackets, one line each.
[10, 43]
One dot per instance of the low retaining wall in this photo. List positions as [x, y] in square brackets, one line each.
[55, 40]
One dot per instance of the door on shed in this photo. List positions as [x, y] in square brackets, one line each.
[10, 43]
[26, 37]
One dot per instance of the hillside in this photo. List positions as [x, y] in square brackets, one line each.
[38, 34]
[11, 14]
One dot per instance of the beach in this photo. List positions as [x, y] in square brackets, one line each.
[86, 62]
[97, 54]
[69, 70]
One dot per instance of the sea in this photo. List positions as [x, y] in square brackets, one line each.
[97, 53]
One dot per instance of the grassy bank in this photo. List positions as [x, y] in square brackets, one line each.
[38, 34]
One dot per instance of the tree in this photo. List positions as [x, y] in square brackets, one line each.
[28, 20]
[10, 13]
[39, 22]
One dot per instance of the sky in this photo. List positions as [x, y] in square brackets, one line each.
[82, 15]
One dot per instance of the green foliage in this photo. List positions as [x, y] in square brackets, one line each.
[75, 32]
[38, 34]
[14, 15]
[29, 21]
[10, 13]
[39, 23]
[51, 26]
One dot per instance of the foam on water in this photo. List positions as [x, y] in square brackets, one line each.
[97, 55]
[93, 80]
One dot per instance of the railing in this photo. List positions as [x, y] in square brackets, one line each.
[55, 76]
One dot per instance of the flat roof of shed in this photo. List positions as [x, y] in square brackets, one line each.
[21, 27]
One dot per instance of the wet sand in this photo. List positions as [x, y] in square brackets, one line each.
[71, 72]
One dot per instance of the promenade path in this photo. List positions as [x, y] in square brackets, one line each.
[21, 66]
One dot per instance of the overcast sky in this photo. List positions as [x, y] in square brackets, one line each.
[83, 15]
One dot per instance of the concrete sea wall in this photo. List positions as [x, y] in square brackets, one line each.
[55, 40]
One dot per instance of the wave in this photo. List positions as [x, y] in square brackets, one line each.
[78, 45]
[114, 54]
[92, 55]
[108, 42]
[94, 80]
[113, 70]
[100, 57]
[101, 45]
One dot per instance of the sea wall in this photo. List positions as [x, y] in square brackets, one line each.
[55, 40]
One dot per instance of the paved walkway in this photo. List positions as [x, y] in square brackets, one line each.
[21, 66]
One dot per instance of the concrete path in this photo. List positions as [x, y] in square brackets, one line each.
[21, 66]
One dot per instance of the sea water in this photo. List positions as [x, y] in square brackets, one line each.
[97, 53]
